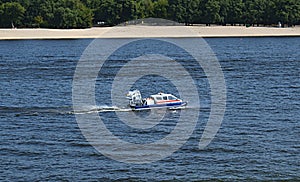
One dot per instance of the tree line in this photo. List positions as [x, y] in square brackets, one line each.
[86, 13]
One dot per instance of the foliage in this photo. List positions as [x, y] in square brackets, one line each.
[11, 14]
[85, 13]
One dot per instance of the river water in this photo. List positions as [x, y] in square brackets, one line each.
[258, 138]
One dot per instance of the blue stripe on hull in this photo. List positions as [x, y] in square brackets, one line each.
[160, 105]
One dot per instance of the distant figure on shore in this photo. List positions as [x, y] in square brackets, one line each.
[13, 26]
[279, 24]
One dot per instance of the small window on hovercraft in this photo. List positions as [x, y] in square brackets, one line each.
[158, 98]
[171, 98]
[165, 98]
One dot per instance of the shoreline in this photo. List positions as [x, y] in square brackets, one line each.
[138, 31]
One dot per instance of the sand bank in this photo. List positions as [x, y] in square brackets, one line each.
[148, 32]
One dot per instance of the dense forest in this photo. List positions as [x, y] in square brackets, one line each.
[86, 13]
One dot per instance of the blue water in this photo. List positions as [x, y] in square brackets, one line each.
[258, 139]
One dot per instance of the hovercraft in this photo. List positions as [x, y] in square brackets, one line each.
[159, 100]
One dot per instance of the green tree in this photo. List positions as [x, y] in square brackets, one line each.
[269, 16]
[71, 14]
[255, 11]
[231, 11]
[288, 11]
[161, 9]
[11, 14]
[82, 13]
[146, 8]
[107, 12]
[33, 10]
[177, 12]
[211, 12]
[185, 11]
[38, 20]
[193, 12]
[47, 9]
[128, 10]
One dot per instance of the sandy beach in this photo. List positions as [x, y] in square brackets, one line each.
[139, 31]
